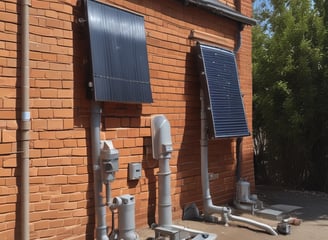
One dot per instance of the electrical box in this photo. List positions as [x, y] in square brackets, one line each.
[134, 171]
[109, 161]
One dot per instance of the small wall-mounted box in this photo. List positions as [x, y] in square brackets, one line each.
[134, 171]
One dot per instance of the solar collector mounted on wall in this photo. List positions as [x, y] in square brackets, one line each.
[119, 59]
[226, 114]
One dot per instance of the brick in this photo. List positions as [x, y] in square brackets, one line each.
[49, 93]
[63, 113]
[56, 144]
[49, 171]
[6, 148]
[68, 189]
[8, 136]
[9, 163]
[55, 124]
[129, 142]
[49, 153]
[5, 172]
[56, 180]
[45, 113]
[70, 143]
[70, 170]
[5, 208]
[77, 179]
[8, 17]
[41, 225]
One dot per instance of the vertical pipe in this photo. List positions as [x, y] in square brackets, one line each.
[100, 208]
[209, 208]
[239, 143]
[126, 218]
[164, 193]
[25, 121]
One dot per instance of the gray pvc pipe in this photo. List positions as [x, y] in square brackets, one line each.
[100, 208]
[126, 217]
[164, 193]
[263, 226]
[25, 122]
[209, 208]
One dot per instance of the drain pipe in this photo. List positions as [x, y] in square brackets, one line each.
[209, 208]
[162, 149]
[239, 143]
[164, 192]
[25, 121]
[100, 208]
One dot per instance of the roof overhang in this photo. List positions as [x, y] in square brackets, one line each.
[223, 10]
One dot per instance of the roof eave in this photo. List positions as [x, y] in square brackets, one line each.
[223, 10]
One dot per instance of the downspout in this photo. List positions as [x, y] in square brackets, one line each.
[239, 143]
[25, 121]
[100, 208]
[164, 192]
[208, 206]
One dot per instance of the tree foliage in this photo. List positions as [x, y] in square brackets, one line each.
[290, 75]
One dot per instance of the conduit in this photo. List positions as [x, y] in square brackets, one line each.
[100, 208]
[25, 121]
[162, 149]
[164, 193]
[208, 206]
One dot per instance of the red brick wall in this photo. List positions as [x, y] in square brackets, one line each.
[61, 200]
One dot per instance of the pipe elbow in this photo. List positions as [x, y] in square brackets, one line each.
[117, 201]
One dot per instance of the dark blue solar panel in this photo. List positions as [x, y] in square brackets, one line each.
[221, 83]
[118, 54]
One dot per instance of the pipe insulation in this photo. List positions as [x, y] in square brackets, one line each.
[100, 207]
[209, 208]
[25, 121]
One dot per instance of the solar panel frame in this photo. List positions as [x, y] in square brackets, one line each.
[118, 52]
[220, 82]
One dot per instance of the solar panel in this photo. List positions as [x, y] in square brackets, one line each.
[226, 114]
[118, 53]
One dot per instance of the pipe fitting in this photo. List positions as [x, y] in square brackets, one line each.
[117, 201]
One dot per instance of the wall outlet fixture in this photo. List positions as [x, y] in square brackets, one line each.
[134, 171]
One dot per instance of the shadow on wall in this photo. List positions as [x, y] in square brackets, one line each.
[149, 164]
[81, 103]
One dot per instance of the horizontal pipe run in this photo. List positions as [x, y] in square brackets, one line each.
[266, 227]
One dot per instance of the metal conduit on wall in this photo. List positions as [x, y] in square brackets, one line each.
[25, 121]
[100, 208]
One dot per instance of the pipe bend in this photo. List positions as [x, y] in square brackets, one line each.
[117, 201]
[266, 227]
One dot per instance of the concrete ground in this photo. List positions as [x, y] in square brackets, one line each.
[314, 216]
